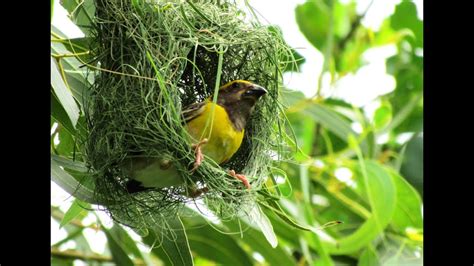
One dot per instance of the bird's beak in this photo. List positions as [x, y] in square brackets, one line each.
[256, 91]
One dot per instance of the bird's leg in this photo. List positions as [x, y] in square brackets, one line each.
[198, 153]
[241, 178]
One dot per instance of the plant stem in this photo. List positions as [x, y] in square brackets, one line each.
[403, 114]
[351, 204]
[328, 49]
[74, 254]
[356, 207]
[58, 56]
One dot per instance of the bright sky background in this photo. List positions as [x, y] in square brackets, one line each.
[360, 89]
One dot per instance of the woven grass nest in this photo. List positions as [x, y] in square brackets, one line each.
[157, 57]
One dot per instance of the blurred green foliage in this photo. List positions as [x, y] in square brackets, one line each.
[371, 184]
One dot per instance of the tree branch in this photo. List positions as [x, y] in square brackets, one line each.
[74, 254]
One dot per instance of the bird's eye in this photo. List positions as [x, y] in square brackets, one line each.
[235, 85]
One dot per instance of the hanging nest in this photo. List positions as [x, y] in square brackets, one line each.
[156, 57]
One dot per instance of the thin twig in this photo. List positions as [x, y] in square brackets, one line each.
[74, 254]
[58, 56]
[328, 49]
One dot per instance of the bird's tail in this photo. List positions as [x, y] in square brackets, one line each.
[150, 173]
[133, 186]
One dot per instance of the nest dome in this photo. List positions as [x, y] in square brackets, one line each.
[156, 57]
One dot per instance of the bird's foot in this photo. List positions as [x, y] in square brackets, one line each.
[241, 178]
[198, 153]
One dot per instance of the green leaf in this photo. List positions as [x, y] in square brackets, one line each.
[75, 210]
[330, 119]
[406, 100]
[324, 114]
[123, 239]
[387, 35]
[70, 184]
[293, 98]
[257, 216]
[344, 15]
[283, 229]
[383, 115]
[409, 118]
[408, 210]
[69, 164]
[350, 58]
[73, 45]
[71, 235]
[368, 257]
[258, 243]
[311, 219]
[312, 18]
[66, 143]
[60, 115]
[63, 94]
[119, 255]
[412, 167]
[405, 16]
[213, 245]
[304, 128]
[77, 78]
[278, 210]
[81, 13]
[77, 45]
[173, 241]
[381, 189]
[74, 233]
[58, 32]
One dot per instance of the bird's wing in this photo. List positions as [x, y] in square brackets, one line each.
[147, 173]
[192, 111]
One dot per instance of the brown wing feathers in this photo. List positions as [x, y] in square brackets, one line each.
[192, 111]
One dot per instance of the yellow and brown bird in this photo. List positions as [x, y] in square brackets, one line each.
[217, 130]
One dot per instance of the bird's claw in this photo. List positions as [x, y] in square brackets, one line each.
[241, 178]
[198, 153]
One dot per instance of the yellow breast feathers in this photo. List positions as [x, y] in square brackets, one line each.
[223, 139]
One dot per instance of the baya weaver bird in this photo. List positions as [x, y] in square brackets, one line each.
[218, 140]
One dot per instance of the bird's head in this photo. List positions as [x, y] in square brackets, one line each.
[239, 97]
[240, 92]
